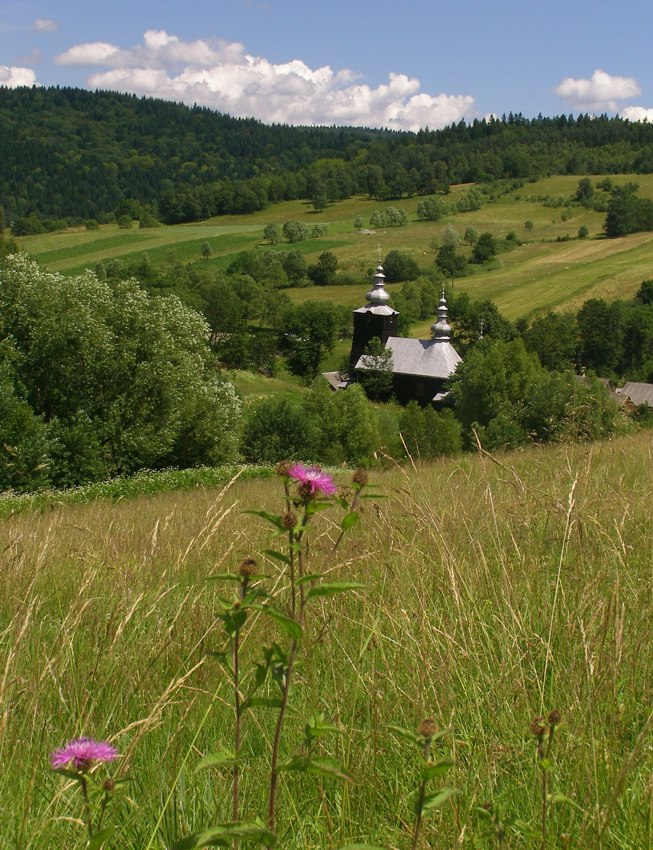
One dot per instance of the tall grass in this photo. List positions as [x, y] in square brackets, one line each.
[496, 590]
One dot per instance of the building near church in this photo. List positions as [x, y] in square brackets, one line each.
[420, 367]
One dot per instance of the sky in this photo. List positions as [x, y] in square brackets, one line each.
[401, 65]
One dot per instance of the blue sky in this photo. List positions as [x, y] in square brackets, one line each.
[396, 64]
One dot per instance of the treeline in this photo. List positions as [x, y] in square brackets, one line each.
[72, 154]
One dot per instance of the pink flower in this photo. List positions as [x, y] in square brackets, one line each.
[81, 753]
[313, 479]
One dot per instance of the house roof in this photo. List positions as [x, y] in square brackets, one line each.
[637, 392]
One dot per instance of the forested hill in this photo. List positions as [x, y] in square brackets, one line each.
[76, 154]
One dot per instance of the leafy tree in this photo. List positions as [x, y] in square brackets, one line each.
[484, 249]
[398, 266]
[583, 232]
[123, 377]
[323, 272]
[584, 192]
[295, 266]
[272, 234]
[528, 224]
[310, 332]
[450, 263]
[628, 213]
[504, 395]
[449, 236]
[645, 292]
[430, 209]
[471, 318]
[125, 222]
[295, 231]
[600, 327]
[555, 339]
[205, 250]
[470, 236]
[359, 222]
[277, 427]
[376, 379]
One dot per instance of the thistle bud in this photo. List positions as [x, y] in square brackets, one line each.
[283, 468]
[427, 728]
[361, 477]
[289, 520]
[248, 567]
[538, 727]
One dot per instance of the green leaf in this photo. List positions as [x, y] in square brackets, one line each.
[291, 627]
[330, 588]
[406, 734]
[308, 578]
[435, 801]
[220, 758]
[557, 797]
[349, 520]
[100, 838]
[437, 769]
[69, 774]
[279, 556]
[224, 834]
[271, 518]
[224, 577]
[317, 765]
[261, 702]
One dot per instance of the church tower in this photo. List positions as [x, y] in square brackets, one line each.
[375, 319]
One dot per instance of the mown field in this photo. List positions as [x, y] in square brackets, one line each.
[542, 274]
[494, 590]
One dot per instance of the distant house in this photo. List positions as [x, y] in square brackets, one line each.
[420, 367]
[636, 393]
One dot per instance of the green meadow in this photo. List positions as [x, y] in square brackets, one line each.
[542, 274]
[493, 590]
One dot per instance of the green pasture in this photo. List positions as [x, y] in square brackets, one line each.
[494, 590]
[542, 274]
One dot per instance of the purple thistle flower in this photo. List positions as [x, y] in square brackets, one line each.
[313, 479]
[81, 753]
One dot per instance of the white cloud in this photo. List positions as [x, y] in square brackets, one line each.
[45, 25]
[12, 77]
[601, 93]
[637, 113]
[221, 75]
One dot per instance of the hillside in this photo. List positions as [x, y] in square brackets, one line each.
[71, 153]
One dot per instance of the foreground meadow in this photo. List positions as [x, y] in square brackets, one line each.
[495, 590]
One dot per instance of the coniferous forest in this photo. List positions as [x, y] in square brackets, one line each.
[74, 154]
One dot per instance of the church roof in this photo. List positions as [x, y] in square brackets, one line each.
[377, 297]
[424, 358]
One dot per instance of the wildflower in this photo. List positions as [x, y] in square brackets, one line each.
[82, 753]
[283, 468]
[312, 480]
[289, 520]
[361, 477]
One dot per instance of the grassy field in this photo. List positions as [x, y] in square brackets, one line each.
[494, 591]
[542, 274]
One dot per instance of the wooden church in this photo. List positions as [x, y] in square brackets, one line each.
[420, 367]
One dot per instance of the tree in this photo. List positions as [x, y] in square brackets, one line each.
[205, 250]
[359, 222]
[397, 266]
[528, 224]
[323, 272]
[584, 192]
[430, 210]
[645, 292]
[449, 236]
[554, 338]
[376, 378]
[583, 232]
[310, 332]
[450, 263]
[484, 249]
[470, 236]
[123, 381]
[272, 234]
[295, 231]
